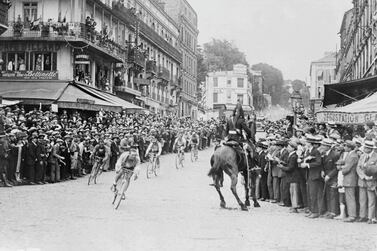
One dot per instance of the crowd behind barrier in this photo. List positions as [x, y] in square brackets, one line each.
[38, 147]
[323, 170]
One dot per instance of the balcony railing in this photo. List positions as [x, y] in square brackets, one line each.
[142, 81]
[151, 67]
[137, 57]
[147, 32]
[72, 32]
[163, 73]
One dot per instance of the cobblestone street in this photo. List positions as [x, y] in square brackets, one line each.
[175, 211]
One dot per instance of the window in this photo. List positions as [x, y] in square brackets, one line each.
[229, 82]
[43, 61]
[215, 82]
[240, 82]
[215, 98]
[30, 11]
[240, 98]
[229, 95]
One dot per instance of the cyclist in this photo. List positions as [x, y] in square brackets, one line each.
[128, 160]
[155, 148]
[101, 151]
[194, 140]
[180, 143]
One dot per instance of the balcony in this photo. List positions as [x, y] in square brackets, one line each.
[78, 34]
[163, 74]
[151, 67]
[145, 31]
[142, 81]
[127, 90]
[3, 16]
[136, 57]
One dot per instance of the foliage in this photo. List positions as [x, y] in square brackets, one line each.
[273, 83]
[222, 55]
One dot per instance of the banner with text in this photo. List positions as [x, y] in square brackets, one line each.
[346, 118]
[29, 75]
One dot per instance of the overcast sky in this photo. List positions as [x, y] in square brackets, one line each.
[287, 34]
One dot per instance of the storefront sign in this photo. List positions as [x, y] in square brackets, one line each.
[346, 118]
[85, 101]
[82, 59]
[29, 75]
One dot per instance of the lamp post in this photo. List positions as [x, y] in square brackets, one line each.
[296, 100]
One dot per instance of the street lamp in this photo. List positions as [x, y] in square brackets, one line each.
[296, 100]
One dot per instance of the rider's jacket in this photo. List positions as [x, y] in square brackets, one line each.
[101, 152]
[125, 162]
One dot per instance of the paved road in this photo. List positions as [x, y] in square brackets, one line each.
[176, 211]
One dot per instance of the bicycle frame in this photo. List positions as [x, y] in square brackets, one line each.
[124, 182]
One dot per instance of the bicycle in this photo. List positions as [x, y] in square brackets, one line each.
[121, 187]
[194, 152]
[152, 166]
[96, 170]
[179, 158]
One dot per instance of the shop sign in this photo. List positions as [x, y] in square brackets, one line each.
[85, 101]
[82, 59]
[346, 118]
[29, 75]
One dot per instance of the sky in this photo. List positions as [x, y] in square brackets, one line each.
[287, 34]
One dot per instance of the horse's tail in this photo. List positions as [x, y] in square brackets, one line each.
[215, 165]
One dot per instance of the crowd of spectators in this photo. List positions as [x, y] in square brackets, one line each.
[321, 169]
[38, 147]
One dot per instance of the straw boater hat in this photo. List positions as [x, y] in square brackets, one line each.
[369, 144]
[313, 139]
[327, 142]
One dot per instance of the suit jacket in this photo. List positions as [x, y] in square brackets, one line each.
[315, 165]
[273, 164]
[31, 154]
[291, 169]
[284, 158]
[364, 180]
[329, 166]
[349, 169]
[262, 162]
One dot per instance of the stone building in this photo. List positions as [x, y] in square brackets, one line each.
[187, 19]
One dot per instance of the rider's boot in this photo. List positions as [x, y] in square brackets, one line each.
[5, 180]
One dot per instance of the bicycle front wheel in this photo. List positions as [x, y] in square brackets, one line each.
[120, 194]
[156, 169]
[149, 170]
[177, 159]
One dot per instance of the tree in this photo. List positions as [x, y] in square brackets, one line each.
[273, 83]
[222, 55]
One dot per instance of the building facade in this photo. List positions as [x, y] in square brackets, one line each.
[4, 6]
[114, 46]
[357, 55]
[187, 19]
[322, 72]
[225, 89]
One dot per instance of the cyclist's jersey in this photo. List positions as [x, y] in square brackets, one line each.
[194, 138]
[180, 142]
[101, 152]
[124, 162]
[155, 148]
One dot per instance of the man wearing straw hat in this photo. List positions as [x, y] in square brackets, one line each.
[367, 184]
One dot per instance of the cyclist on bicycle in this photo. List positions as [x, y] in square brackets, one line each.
[194, 140]
[128, 160]
[102, 152]
[155, 148]
[180, 143]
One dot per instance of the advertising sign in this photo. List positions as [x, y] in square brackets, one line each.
[29, 75]
[346, 118]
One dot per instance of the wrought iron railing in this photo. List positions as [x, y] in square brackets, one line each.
[135, 56]
[151, 67]
[142, 81]
[66, 31]
[163, 73]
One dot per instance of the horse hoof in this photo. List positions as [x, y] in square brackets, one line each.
[247, 203]
[244, 208]
[256, 205]
[222, 204]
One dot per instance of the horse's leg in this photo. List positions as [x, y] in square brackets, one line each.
[234, 191]
[222, 201]
[254, 190]
[247, 201]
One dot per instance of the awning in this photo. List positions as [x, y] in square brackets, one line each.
[231, 107]
[358, 112]
[5, 103]
[348, 92]
[109, 97]
[66, 95]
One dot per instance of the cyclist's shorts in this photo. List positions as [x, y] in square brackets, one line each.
[195, 141]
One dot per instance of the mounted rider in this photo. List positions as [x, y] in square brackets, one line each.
[237, 125]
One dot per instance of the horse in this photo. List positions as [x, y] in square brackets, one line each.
[226, 159]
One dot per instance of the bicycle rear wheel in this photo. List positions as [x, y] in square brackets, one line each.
[92, 173]
[192, 154]
[177, 158]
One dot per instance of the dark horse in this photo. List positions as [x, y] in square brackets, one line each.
[226, 159]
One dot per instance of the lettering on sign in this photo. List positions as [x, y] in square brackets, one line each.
[85, 101]
[29, 75]
[346, 118]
